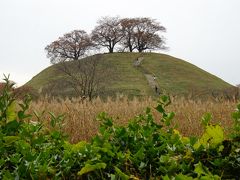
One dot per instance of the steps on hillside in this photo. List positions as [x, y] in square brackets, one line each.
[153, 83]
[150, 78]
[138, 61]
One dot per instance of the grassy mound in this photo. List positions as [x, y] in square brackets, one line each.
[174, 76]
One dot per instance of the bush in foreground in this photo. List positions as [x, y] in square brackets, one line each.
[143, 149]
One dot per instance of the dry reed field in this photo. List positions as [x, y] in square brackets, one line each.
[80, 117]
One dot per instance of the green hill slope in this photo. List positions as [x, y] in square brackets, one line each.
[143, 74]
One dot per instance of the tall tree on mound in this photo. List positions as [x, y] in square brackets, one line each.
[128, 27]
[71, 46]
[142, 34]
[107, 33]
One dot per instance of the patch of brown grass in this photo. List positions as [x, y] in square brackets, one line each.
[80, 122]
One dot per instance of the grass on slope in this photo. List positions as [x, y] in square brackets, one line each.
[178, 76]
[174, 75]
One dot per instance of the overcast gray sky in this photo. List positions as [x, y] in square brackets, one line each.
[203, 32]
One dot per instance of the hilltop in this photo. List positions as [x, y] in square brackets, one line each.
[139, 74]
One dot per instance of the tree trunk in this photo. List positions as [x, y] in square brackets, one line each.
[130, 48]
[130, 45]
[111, 50]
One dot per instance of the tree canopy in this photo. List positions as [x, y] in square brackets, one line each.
[127, 34]
[107, 33]
[71, 46]
[142, 34]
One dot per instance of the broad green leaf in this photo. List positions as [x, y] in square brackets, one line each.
[165, 177]
[206, 119]
[171, 115]
[22, 115]
[203, 172]
[2, 162]
[183, 177]
[75, 148]
[91, 167]
[12, 126]
[142, 165]
[175, 131]
[212, 137]
[185, 140]
[11, 114]
[10, 139]
[79, 147]
[107, 148]
[236, 115]
[210, 177]
[160, 109]
[122, 175]
[188, 155]
[164, 159]
[165, 100]
[199, 169]
[169, 118]
[140, 154]
[24, 147]
[113, 177]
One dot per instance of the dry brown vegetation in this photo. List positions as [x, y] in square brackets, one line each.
[80, 122]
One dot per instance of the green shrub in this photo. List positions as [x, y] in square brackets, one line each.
[143, 149]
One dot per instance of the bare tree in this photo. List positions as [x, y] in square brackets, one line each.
[107, 33]
[71, 46]
[80, 74]
[142, 34]
[84, 76]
